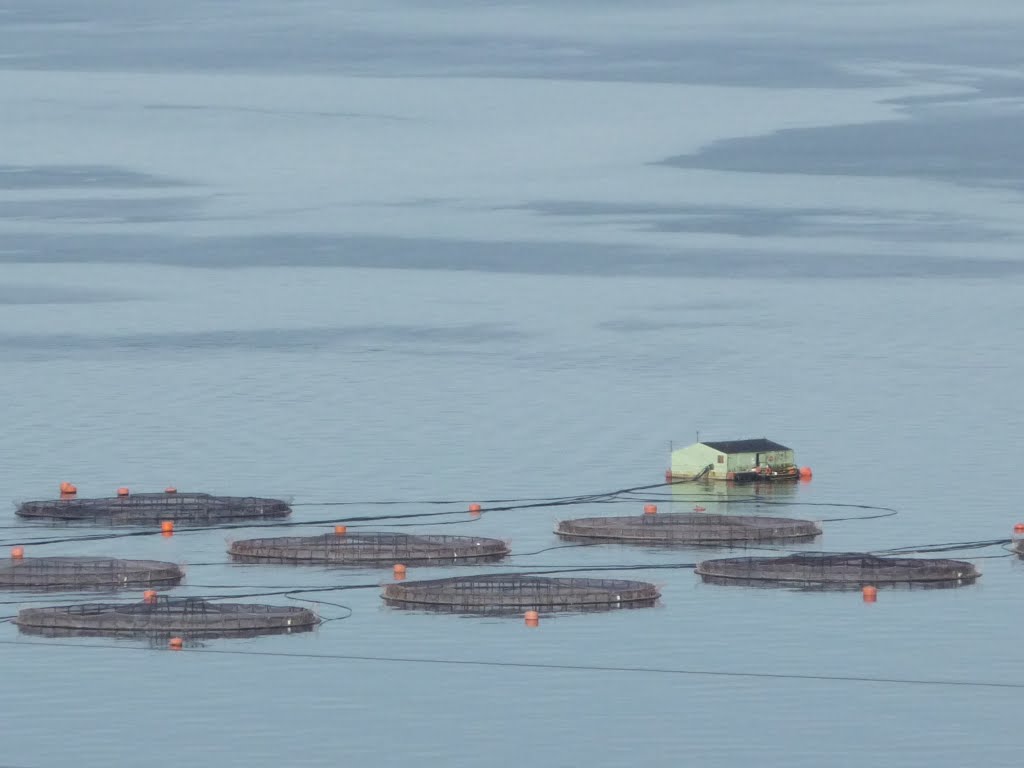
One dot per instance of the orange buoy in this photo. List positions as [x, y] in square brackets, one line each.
[122, 491]
[870, 594]
[170, 489]
[650, 509]
[532, 618]
[340, 530]
[67, 489]
[17, 553]
[149, 596]
[399, 571]
[474, 507]
[805, 473]
[167, 526]
[1018, 528]
[175, 643]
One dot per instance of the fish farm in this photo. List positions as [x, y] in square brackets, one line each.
[688, 528]
[851, 570]
[370, 548]
[188, 616]
[514, 593]
[146, 508]
[87, 572]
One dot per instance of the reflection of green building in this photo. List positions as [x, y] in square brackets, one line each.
[739, 460]
[707, 492]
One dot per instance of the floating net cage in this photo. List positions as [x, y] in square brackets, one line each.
[837, 571]
[142, 508]
[514, 593]
[688, 528]
[370, 548]
[185, 616]
[86, 572]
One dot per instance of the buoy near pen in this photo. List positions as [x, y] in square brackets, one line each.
[806, 473]
[68, 489]
[870, 594]
[398, 571]
[175, 643]
[1019, 528]
[149, 596]
[474, 509]
[340, 530]
[17, 553]
[532, 618]
[170, 489]
[650, 509]
[167, 527]
[122, 491]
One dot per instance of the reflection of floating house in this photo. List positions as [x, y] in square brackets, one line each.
[707, 493]
[739, 460]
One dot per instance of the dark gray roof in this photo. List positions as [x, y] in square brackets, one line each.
[757, 445]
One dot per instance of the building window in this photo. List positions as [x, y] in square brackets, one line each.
[721, 459]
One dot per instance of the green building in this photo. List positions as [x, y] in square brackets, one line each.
[758, 459]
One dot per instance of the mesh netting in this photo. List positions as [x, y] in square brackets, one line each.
[85, 572]
[196, 508]
[851, 569]
[512, 593]
[190, 616]
[687, 527]
[369, 548]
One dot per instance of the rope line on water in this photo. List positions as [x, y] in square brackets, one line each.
[621, 495]
[673, 671]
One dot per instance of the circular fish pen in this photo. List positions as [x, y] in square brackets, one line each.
[370, 548]
[688, 528]
[837, 571]
[146, 508]
[185, 616]
[504, 594]
[86, 573]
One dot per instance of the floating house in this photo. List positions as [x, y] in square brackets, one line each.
[737, 460]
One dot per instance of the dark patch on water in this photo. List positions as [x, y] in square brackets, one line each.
[122, 210]
[406, 339]
[193, 36]
[216, 108]
[34, 293]
[34, 177]
[759, 221]
[958, 148]
[646, 324]
[537, 258]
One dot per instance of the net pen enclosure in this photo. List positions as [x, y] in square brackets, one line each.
[76, 572]
[509, 594]
[163, 615]
[688, 528]
[369, 548]
[848, 570]
[152, 508]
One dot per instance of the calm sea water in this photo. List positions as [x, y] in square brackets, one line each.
[334, 252]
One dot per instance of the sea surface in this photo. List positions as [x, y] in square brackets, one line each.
[467, 251]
